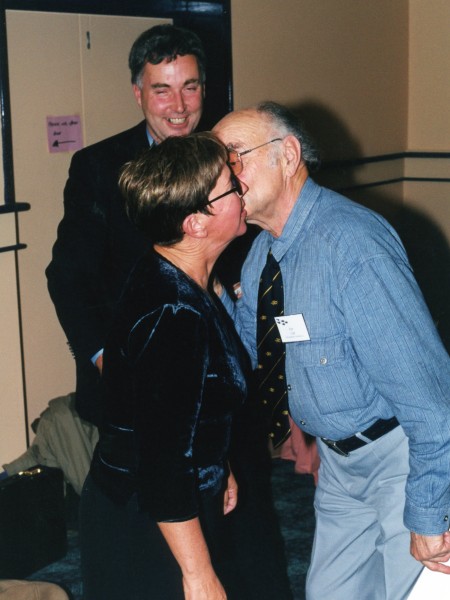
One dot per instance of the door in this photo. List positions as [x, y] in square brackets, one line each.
[59, 65]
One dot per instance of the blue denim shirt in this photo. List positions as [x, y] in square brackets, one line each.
[373, 350]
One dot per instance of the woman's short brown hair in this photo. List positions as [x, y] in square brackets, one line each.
[170, 181]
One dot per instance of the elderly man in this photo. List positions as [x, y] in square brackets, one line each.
[363, 368]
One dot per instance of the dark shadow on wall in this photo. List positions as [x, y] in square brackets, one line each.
[427, 247]
[330, 134]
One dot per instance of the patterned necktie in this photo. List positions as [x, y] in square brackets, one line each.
[271, 353]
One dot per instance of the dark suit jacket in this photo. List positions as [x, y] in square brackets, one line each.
[96, 248]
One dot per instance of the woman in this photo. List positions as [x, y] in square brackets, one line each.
[152, 507]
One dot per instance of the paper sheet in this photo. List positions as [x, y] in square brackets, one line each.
[431, 585]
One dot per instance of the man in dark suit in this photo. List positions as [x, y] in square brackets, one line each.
[97, 245]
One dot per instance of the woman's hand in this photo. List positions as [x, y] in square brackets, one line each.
[204, 588]
[187, 544]
[231, 495]
[217, 287]
[99, 363]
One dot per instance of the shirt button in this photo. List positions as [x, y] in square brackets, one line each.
[302, 423]
[323, 360]
[446, 518]
[289, 388]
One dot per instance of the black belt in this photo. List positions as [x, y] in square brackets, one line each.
[375, 431]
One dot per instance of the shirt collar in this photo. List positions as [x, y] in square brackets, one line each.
[305, 201]
[151, 141]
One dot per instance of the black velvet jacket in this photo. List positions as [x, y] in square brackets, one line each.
[173, 375]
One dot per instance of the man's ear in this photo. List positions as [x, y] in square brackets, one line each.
[293, 154]
[194, 225]
[137, 94]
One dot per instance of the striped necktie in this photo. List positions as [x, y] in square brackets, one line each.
[271, 378]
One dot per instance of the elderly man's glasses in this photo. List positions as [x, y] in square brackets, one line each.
[236, 189]
[235, 160]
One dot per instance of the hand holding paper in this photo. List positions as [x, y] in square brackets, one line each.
[432, 551]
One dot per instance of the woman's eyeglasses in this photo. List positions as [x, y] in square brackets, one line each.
[235, 160]
[236, 189]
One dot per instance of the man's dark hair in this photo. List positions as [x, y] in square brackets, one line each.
[287, 123]
[164, 42]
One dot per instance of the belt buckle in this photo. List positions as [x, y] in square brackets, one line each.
[334, 446]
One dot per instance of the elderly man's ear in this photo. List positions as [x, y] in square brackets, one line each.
[292, 152]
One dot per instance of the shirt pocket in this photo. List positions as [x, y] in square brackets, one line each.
[330, 375]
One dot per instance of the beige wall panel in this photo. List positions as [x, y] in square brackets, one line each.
[387, 199]
[51, 74]
[374, 172]
[433, 168]
[109, 104]
[432, 199]
[12, 427]
[12, 424]
[45, 77]
[429, 75]
[2, 180]
[345, 59]
[8, 234]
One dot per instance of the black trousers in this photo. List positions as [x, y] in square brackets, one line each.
[124, 556]
[254, 530]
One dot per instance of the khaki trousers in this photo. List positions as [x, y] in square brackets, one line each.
[13, 589]
[63, 441]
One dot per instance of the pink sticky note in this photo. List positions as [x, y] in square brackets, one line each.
[64, 133]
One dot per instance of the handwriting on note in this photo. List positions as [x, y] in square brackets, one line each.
[64, 133]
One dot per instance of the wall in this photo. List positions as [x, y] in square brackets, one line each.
[52, 72]
[371, 82]
[13, 430]
[429, 109]
[348, 57]
[370, 79]
[429, 81]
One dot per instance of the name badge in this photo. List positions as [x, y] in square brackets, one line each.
[292, 328]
